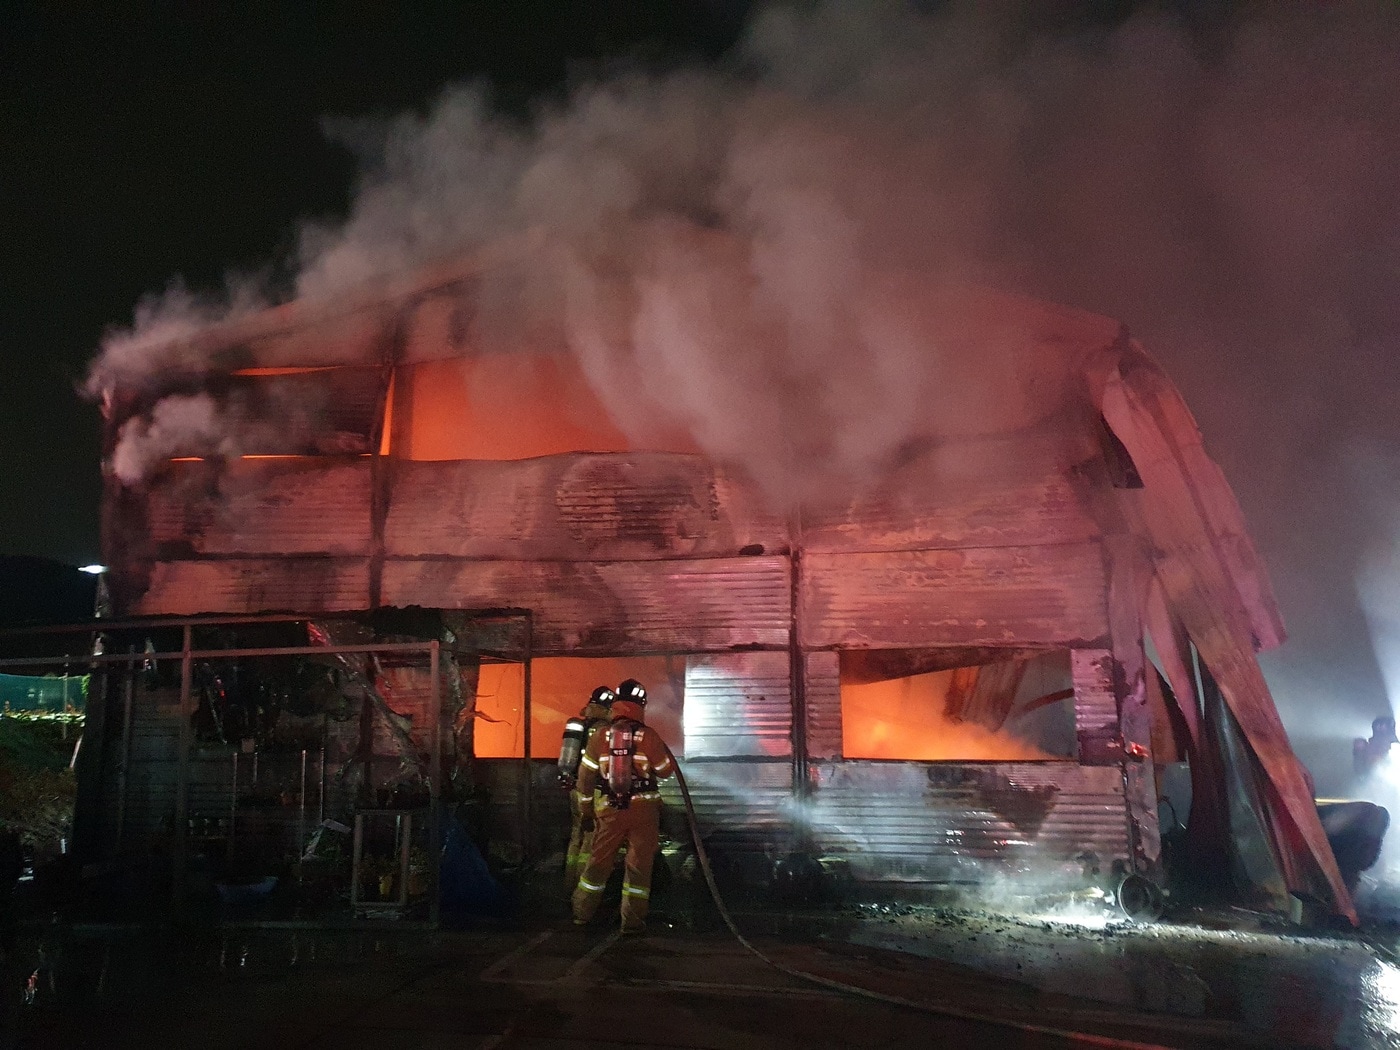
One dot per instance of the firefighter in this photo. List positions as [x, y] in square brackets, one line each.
[624, 762]
[1366, 755]
[578, 731]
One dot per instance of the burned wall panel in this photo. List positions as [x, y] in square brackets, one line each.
[911, 822]
[613, 608]
[578, 507]
[822, 684]
[262, 506]
[249, 585]
[745, 810]
[294, 337]
[1012, 491]
[1005, 596]
[1095, 707]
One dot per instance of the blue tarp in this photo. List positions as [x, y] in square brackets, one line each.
[49, 693]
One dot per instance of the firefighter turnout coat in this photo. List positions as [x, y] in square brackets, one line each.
[595, 718]
[634, 822]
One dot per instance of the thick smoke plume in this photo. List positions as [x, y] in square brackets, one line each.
[720, 245]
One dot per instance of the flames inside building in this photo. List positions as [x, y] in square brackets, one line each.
[378, 566]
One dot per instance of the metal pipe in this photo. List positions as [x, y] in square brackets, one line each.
[182, 777]
[216, 654]
[435, 777]
[232, 806]
[147, 623]
[301, 815]
[527, 791]
[123, 771]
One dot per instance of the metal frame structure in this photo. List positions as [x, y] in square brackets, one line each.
[187, 654]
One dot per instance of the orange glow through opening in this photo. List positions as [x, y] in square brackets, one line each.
[904, 718]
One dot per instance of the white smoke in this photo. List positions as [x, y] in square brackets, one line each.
[181, 423]
[720, 244]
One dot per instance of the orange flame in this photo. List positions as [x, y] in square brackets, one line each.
[903, 718]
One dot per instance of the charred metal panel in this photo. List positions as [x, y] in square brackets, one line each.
[496, 819]
[1095, 707]
[823, 697]
[613, 608]
[1043, 596]
[249, 585]
[148, 806]
[440, 325]
[307, 338]
[577, 507]
[322, 412]
[946, 822]
[745, 809]
[738, 704]
[993, 493]
[302, 505]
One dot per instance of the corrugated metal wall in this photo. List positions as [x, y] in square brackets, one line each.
[261, 507]
[246, 585]
[738, 764]
[1006, 596]
[614, 608]
[823, 701]
[148, 807]
[581, 507]
[942, 822]
[738, 705]
[1095, 707]
[996, 491]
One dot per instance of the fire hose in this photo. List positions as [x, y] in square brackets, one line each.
[940, 1009]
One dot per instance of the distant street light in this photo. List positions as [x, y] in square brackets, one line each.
[93, 570]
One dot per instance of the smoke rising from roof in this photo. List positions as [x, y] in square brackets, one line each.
[719, 243]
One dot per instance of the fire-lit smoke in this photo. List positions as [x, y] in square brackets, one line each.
[717, 246]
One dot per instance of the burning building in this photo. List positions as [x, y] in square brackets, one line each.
[968, 665]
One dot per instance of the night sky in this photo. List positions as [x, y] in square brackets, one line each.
[146, 142]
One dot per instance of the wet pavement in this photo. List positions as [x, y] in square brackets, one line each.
[690, 984]
[558, 987]
[1340, 990]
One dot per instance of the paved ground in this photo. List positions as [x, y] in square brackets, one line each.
[544, 987]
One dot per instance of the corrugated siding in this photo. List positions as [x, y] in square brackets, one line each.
[915, 822]
[823, 697]
[150, 789]
[575, 507]
[745, 809]
[738, 704]
[978, 596]
[440, 325]
[1095, 706]
[262, 506]
[613, 608]
[994, 492]
[332, 337]
[239, 585]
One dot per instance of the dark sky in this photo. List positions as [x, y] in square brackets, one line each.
[142, 142]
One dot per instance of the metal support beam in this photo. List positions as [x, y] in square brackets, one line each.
[180, 859]
[435, 778]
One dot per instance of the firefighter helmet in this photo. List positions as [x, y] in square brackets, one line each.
[633, 692]
[602, 696]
